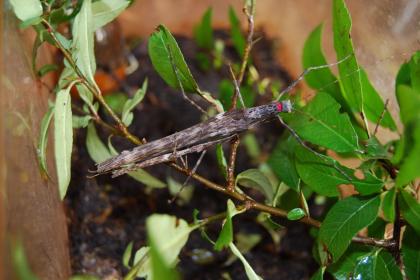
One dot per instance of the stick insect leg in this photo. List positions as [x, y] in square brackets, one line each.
[189, 176]
[237, 90]
[175, 69]
[296, 136]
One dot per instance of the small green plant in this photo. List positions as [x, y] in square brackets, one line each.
[339, 118]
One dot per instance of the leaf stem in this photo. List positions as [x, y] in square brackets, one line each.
[92, 88]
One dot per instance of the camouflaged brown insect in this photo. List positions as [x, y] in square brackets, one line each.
[220, 128]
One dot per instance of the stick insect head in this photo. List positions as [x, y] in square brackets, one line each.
[284, 106]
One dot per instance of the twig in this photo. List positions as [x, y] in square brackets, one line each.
[231, 168]
[237, 82]
[92, 88]
[395, 250]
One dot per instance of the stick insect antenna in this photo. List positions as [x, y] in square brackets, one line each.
[324, 157]
[307, 71]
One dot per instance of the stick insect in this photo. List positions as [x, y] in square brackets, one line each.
[218, 129]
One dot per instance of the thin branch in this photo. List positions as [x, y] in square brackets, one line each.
[92, 88]
[231, 168]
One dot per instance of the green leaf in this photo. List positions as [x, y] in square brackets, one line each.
[27, 9]
[410, 209]
[374, 105]
[160, 269]
[130, 104]
[250, 273]
[375, 150]
[167, 235]
[147, 179]
[377, 228]
[127, 255]
[19, 260]
[244, 243]
[321, 176]
[43, 139]
[409, 73]
[322, 124]
[226, 234]
[319, 274]
[342, 269]
[81, 121]
[378, 265]
[83, 43]
[345, 219]
[63, 138]
[254, 178]
[97, 150]
[409, 101]
[182, 192]
[105, 11]
[236, 35]
[322, 79]
[203, 33]
[166, 57]
[116, 101]
[46, 69]
[411, 253]
[282, 161]
[388, 205]
[409, 168]
[226, 90]
[29, 22]
[251, 145]
[296, 214]
[221, 160]
[349, 69]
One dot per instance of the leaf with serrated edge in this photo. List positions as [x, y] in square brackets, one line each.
[410, 209]
[348, 69]
[411, 253]
[345, 219]
[374, 105]
[377, 265]
[282, 161]
[321, 176]
[322, 124]
[388, 205]
[322, 79]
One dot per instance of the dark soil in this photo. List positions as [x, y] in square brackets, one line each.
[106, 214]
